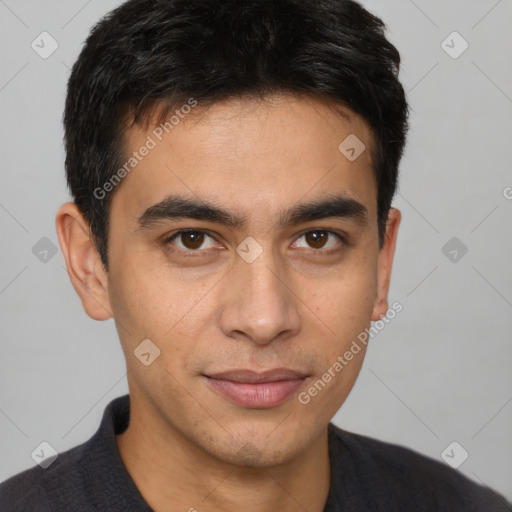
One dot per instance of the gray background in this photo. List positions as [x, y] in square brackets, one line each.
[439, 372]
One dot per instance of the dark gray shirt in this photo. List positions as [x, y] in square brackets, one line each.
[366, 475]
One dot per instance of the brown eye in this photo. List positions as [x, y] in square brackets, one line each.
[321, 240]
[316, 239]
[191, 240]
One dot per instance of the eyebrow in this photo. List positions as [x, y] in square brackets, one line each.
[179, 207]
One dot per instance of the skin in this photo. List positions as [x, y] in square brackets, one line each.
[188, 447]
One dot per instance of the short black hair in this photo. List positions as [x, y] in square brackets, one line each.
[172, 52]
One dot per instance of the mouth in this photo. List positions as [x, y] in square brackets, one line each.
[256, 390]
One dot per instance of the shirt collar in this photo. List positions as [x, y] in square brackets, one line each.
[106, 470]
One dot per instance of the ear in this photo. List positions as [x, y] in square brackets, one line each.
[84, 266]
[385, 263]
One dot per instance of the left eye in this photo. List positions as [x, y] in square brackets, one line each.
[318, 239]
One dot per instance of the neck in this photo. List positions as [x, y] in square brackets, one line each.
[172, 473]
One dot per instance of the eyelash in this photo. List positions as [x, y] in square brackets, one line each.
[201, 252]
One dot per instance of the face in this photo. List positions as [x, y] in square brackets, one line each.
[277, 267]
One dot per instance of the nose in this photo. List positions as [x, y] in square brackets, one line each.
[259, 301]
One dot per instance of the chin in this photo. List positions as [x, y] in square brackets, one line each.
[250, 456]
[256, 451]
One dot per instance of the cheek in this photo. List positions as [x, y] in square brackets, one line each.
[345, 306]
[154, 302]
[347, 296]
[138, 299]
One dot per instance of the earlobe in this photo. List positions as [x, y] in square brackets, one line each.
[83, 262]
[385, 264]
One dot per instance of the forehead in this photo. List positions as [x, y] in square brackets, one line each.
[250, 156]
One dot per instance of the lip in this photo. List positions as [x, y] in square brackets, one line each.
[256, 390]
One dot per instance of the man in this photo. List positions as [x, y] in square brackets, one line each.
[232, 165]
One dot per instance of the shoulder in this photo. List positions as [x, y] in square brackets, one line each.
[404, 476]
[89, 477]
[35, 489]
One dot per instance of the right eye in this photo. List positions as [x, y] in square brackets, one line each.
[190, 240]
